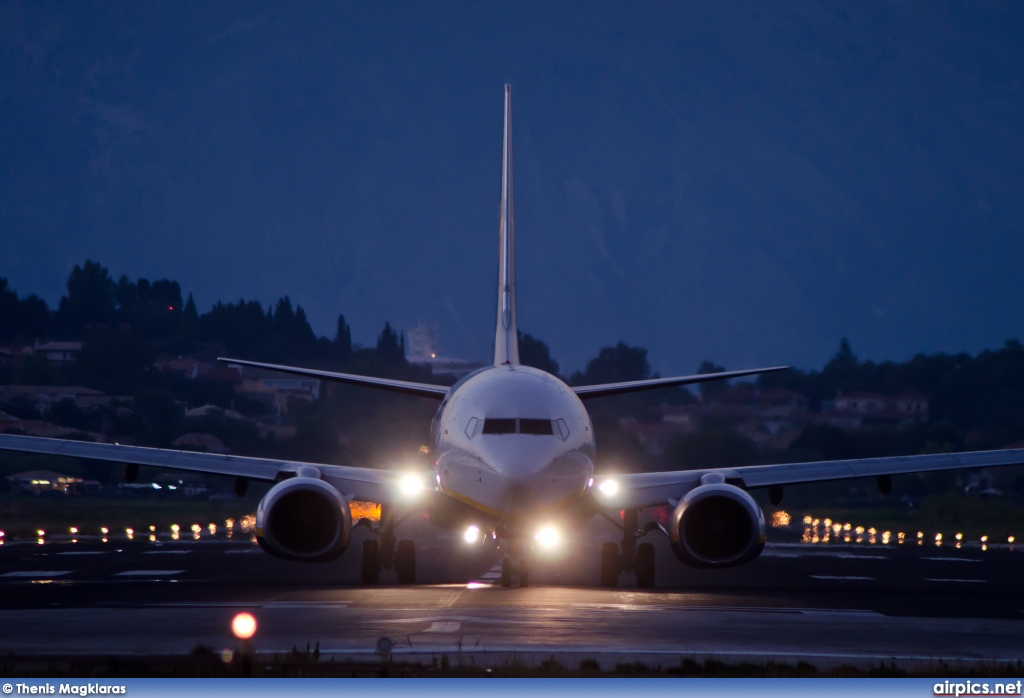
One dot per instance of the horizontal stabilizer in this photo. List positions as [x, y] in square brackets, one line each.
[605, 389]
[434, 392]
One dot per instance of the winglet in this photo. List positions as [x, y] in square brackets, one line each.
[506, 341]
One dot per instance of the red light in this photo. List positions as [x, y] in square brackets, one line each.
[170, 307]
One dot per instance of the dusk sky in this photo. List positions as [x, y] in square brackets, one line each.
[745, 182]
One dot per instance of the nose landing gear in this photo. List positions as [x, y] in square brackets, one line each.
[509, 568]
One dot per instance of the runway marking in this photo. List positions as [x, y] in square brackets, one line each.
[839, 577]
[487, 578]
[167, 552]
[305, 604]
[975, 581]
[443, 627]
[244, 552]
[823, 553]
[84, 552]
[952, 559]
[727, 609]
[146, 573]
[37, 573]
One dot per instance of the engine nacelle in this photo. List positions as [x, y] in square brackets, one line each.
[717, 525]
[304, 519]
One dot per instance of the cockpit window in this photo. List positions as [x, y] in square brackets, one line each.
[536, 427]
[499, 426]
[539, 427]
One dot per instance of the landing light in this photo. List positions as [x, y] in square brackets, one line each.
[472, 534]
[548, 537]
[609, 488]
[243, 626]
[411, 485]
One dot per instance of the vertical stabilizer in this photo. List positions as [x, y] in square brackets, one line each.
[506, 342]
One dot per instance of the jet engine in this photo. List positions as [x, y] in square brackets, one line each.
[716, 525]
[303, 518]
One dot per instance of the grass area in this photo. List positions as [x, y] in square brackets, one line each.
[948, 513]
[206, 663]
[21, 515]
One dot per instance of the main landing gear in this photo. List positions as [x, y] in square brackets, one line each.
[628, 556]
[386, 555]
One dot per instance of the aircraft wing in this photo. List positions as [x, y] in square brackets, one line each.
[652, 489]
[369, 484]
[604, 389]
[429, 390]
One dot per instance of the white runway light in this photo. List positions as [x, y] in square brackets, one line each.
[472, 534]
[411, 485]
[609, 488]
[548, 537]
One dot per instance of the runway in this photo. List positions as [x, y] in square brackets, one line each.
[835, 604]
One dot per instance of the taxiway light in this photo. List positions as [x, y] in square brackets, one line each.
[74, 529]
[472, 534]
[243, 626]
[104, 530]
[984, 539]
[40, 532]
[411, 485]
[609, 488]
[548, 537]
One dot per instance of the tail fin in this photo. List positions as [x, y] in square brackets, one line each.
[506, 341]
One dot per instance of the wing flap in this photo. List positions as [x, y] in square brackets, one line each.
[654, 489]
[428, 390]
[362, 483]
[605, 389]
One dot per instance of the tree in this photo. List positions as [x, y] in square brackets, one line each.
[711, 387]
[115, 361]
[343, 341]
[390, 348]
[90, 298]
[535, 353]
[614, 364]
[710, 448]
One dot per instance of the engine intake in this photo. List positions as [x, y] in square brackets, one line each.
[717, 525]
[304, 519]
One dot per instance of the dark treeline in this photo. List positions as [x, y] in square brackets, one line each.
[975, 402]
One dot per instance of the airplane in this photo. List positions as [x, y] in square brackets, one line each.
[513, 450]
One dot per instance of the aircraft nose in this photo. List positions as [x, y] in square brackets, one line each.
[560, 479]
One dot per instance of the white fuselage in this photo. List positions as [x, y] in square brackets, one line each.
[513, 441]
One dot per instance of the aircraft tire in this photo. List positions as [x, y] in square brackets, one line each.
[371, 561]
[610, 565]
[645, 566]
[405, 562]
[506, 573]
[524, 573]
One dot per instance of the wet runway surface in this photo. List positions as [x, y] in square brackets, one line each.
[825, 604]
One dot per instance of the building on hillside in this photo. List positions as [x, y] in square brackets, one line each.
[207, 443]
[47, 481]
[45, 396]
[184, 366]
[59, 352]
